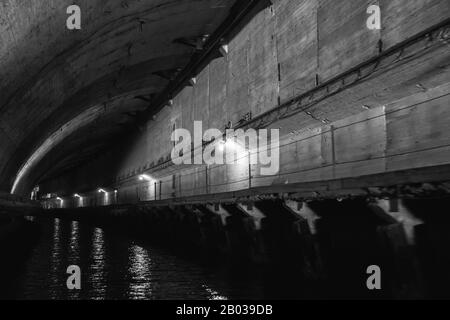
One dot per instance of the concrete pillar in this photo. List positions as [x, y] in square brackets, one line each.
[225, 238]
[302, 210]
[258, 248]
[213, 231]
[190, 226]
[432, 239]
[201, 219]
[241, 233]
[400, 235]
[395, 209]
[312, 256]
[253, 212]
[219, 210]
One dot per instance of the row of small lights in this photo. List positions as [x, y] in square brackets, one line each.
[142, 177]
[146, 177]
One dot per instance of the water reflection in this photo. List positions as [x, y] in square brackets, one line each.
[97, 274]
[56, 245]
[115, 267]
[213, 295]
[139, 272]
[74, 247]
[55, 262]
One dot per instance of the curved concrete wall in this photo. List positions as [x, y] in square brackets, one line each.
[298, 48]
[405, 135]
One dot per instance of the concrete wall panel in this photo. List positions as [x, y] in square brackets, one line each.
[238, 95]
[263, 69]
[218, 76]
[418, 130]
[296, 36]
[201, 98]
[402, 19]
[344, 39]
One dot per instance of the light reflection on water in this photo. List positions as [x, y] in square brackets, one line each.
[97, 274]
[213, 295]
[139, 271]
[74, 238]
[115, 267]
[55, 265]
[74, 254]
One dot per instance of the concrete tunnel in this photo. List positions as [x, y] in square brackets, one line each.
[121, 116]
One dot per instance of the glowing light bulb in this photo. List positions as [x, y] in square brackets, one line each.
[146, 177]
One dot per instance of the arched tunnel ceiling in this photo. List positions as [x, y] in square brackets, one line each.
[76, 89]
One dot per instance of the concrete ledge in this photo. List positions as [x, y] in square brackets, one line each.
[423, 182]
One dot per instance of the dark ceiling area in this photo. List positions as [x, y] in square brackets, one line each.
[66, 95]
